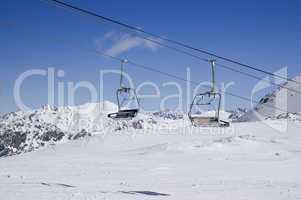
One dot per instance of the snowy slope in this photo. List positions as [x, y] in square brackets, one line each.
[287, 101]
[154, 156]
[247, 161]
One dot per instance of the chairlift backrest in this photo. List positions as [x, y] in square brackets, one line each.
[127, 98]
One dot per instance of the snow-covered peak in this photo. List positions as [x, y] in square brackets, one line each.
[236, 114]
[25, 131]
[169, 114]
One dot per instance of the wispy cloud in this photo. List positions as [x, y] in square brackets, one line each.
[120, 43]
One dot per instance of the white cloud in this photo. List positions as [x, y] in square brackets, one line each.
[121, 43]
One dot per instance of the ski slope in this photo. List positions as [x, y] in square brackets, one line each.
[247, 161]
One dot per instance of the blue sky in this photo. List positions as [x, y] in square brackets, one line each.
[35, 35]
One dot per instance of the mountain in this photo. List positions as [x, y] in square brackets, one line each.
[237, 114]
[278, 104]
[26, 131]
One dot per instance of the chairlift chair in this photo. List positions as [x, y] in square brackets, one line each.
[206, 102]
[125, 96]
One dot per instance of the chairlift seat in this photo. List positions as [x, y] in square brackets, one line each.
[204, 121]
[208, 122]
[124, 114]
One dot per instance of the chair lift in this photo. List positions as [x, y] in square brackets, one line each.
[205, 107]
[125, 96]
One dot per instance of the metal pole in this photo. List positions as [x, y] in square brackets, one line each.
[121, 72]
[212, 62]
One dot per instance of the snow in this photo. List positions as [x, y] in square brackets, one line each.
[246, 161]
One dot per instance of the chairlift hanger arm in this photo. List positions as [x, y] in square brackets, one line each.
[212, 63]
[123, 61]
